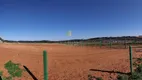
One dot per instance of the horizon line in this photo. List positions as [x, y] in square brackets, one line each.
[71, 39]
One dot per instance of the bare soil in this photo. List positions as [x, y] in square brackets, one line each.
[66, 62]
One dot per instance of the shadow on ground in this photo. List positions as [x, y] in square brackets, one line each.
[30, 73]
[0, 78]
[109, 71]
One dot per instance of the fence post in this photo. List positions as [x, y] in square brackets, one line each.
[125, 43]
[45, 65]
[100, 43]
[110, 44]
[131, 59]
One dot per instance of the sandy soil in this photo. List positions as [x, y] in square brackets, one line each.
[66, 62]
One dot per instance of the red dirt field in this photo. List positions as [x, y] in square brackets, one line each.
[65, 62]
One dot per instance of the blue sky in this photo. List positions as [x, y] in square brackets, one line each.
[51, 19]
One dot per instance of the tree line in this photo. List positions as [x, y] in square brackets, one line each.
[122, 38]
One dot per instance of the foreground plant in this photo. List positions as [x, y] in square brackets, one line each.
[13, 70]
[90, 77]
[122, 77]
[1, 73]
[139, 59]
[99, 78]
[136, 75]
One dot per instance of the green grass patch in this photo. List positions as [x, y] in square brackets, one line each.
[7, 78]
[139, 59]
[99, 78]
[90, 77]
[1, 73]
[135, 64]
[139, 69]
[13, 69]
[136, 75]
[122, 77]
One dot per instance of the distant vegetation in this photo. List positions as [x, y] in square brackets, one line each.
[42, 41]
[1, 39]
[122, 39]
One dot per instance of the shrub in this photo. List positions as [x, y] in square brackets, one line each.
[139, 69]
[13, 69]
[136, 76]
[99, 78]
[135, 64]
[1, 73]
[122, 77]
[139, 59]
[89, 77]
[7, 78]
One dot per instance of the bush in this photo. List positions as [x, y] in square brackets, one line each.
[7, 78]
[99, 78]
[135, 64]
[139, 69]
[136, 76]
[1, 73]
[13, 69]
[139, 59]
[122, 77]
[89, 77]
